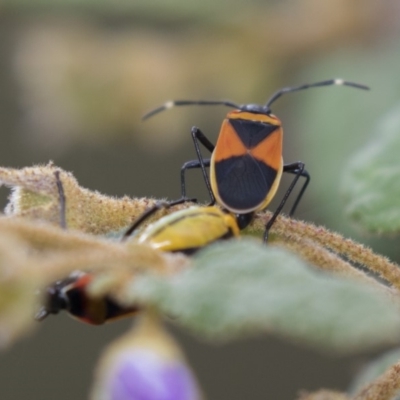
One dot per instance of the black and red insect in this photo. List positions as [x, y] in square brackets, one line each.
[71, 294]
[246, 164]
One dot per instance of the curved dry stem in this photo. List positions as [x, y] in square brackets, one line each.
[356, 252]
[115, 258]
[43, 236]
[324, 259]
[52, 253]
[35, 196]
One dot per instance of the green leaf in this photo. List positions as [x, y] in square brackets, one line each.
[240, 288]
[376, 368]
[372, 181]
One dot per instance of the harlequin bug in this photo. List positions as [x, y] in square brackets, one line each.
[246, 164]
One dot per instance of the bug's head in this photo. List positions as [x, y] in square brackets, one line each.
[255, 109]
[54, 300]
[57, 296]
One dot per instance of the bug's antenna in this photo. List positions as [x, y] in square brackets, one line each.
[339, 82]
[174, 103]
[61, 195]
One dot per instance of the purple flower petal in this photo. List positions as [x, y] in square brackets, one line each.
[144, 375]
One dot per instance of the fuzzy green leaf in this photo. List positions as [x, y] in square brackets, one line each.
[241, 288]
[372, 181]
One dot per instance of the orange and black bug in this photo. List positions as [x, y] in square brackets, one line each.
[246, 164]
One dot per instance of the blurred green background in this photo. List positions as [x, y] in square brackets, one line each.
[75, 78]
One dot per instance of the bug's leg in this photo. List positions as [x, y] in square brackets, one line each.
[199, 137]
[294, 169]
[52, 291]
[62, 198]
[191, 165]
[149, 212]
[143, 217]
[298, 169]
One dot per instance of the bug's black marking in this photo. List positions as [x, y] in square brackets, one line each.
[252, 133]
[243, 182]
[113, 310]
[77, 301]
